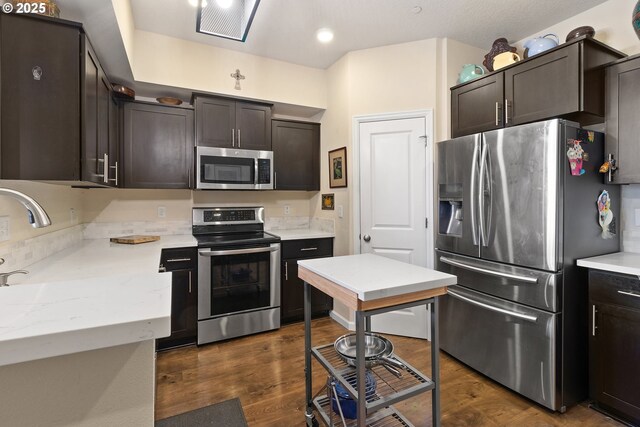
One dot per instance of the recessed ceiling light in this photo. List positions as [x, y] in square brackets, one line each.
[194, 3]
[324, 35]
[225, 4]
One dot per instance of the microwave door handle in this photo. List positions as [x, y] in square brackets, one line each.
[212, 253]
[256, 172]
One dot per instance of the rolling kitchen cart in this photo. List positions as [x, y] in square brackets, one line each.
[370, 284]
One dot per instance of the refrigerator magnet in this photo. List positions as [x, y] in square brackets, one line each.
[587, 135]
[605, 215]
[575, 154]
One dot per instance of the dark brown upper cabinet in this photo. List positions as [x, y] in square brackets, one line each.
[296, 154]
[567, 82]
[55, 99]
[157, 146]
[230, 123]
[623, 127]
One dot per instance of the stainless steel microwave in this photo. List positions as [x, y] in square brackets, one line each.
[233, 169]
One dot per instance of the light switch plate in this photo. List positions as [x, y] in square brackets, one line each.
[340, 211]
[162, 212]
[5, 232]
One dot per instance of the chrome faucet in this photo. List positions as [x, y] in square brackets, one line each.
[4, 277]
[37, 216]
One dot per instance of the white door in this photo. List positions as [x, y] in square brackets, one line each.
[395, 183]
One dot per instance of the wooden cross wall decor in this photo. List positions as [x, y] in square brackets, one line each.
[238, 77]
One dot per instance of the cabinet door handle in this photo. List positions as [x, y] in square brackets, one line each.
[593, 320]
[630, 293]
[275, 180]
[506, 111]
[233, 137]
[497, 113]
[179, 260]
[286, 270]
[105, 166]
[309, 249]
[189, 281]
[115, 180]
[238, 138]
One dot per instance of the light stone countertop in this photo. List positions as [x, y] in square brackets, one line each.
[300, 234]
[619, 262]
[373, 276]
[93, 295]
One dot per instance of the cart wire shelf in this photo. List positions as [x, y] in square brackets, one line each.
[387, 417]
[389, 389]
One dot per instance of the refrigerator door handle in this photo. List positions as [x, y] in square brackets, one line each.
[493, 308]
[474, 195]
[455, 263]
[483, 167]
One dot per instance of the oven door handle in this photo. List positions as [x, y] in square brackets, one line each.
[236, 251]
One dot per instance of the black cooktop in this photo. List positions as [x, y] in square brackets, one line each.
[235, 239]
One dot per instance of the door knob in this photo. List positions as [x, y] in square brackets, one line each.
[366, 238]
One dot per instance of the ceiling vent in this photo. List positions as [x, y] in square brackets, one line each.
[229, 19]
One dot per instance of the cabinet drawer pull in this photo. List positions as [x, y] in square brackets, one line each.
[286, 270]
[179, 260]
[309, 249]
[593, 320]
[189, 281]
[630, 293]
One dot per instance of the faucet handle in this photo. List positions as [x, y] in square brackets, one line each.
[4, 277]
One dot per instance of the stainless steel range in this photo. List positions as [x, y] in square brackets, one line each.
[238, 273]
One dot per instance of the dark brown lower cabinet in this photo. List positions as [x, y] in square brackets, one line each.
[292, 289]
[614, 347]
[182, 265]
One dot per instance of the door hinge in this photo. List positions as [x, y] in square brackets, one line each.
[426, 139]
[426, 223]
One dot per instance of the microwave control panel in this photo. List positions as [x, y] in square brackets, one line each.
[264, 171]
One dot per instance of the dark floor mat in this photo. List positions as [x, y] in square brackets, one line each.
[224, 414]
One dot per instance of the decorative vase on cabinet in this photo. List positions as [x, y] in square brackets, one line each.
[636, 19]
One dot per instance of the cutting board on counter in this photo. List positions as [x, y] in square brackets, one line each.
[135, 239]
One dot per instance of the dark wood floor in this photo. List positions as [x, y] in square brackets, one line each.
[266, 372]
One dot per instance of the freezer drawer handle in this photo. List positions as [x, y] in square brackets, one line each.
[492, 308]
[236, 251]
[491, 272]
[630, 293]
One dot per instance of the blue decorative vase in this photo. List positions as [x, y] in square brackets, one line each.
[636, 19]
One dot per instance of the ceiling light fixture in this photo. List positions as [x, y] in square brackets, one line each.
[195, 3]
[225, 4]
[229, 19]
[324, 35]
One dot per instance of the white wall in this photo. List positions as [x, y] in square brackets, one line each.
[99, 388]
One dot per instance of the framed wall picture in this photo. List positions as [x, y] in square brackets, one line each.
[328, 202]
[338, 168]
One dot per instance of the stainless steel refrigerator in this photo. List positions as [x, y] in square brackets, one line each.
[512, 220]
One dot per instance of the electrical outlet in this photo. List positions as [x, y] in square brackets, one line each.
[340, 211]
[287, 210]
[5, 233]
[73, 217]
[162, 212]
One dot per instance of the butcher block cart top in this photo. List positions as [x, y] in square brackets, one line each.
[371, 284]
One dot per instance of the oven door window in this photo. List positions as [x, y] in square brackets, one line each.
[240, 283]
[227, 170]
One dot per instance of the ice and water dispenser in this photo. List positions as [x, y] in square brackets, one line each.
[450, 209]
